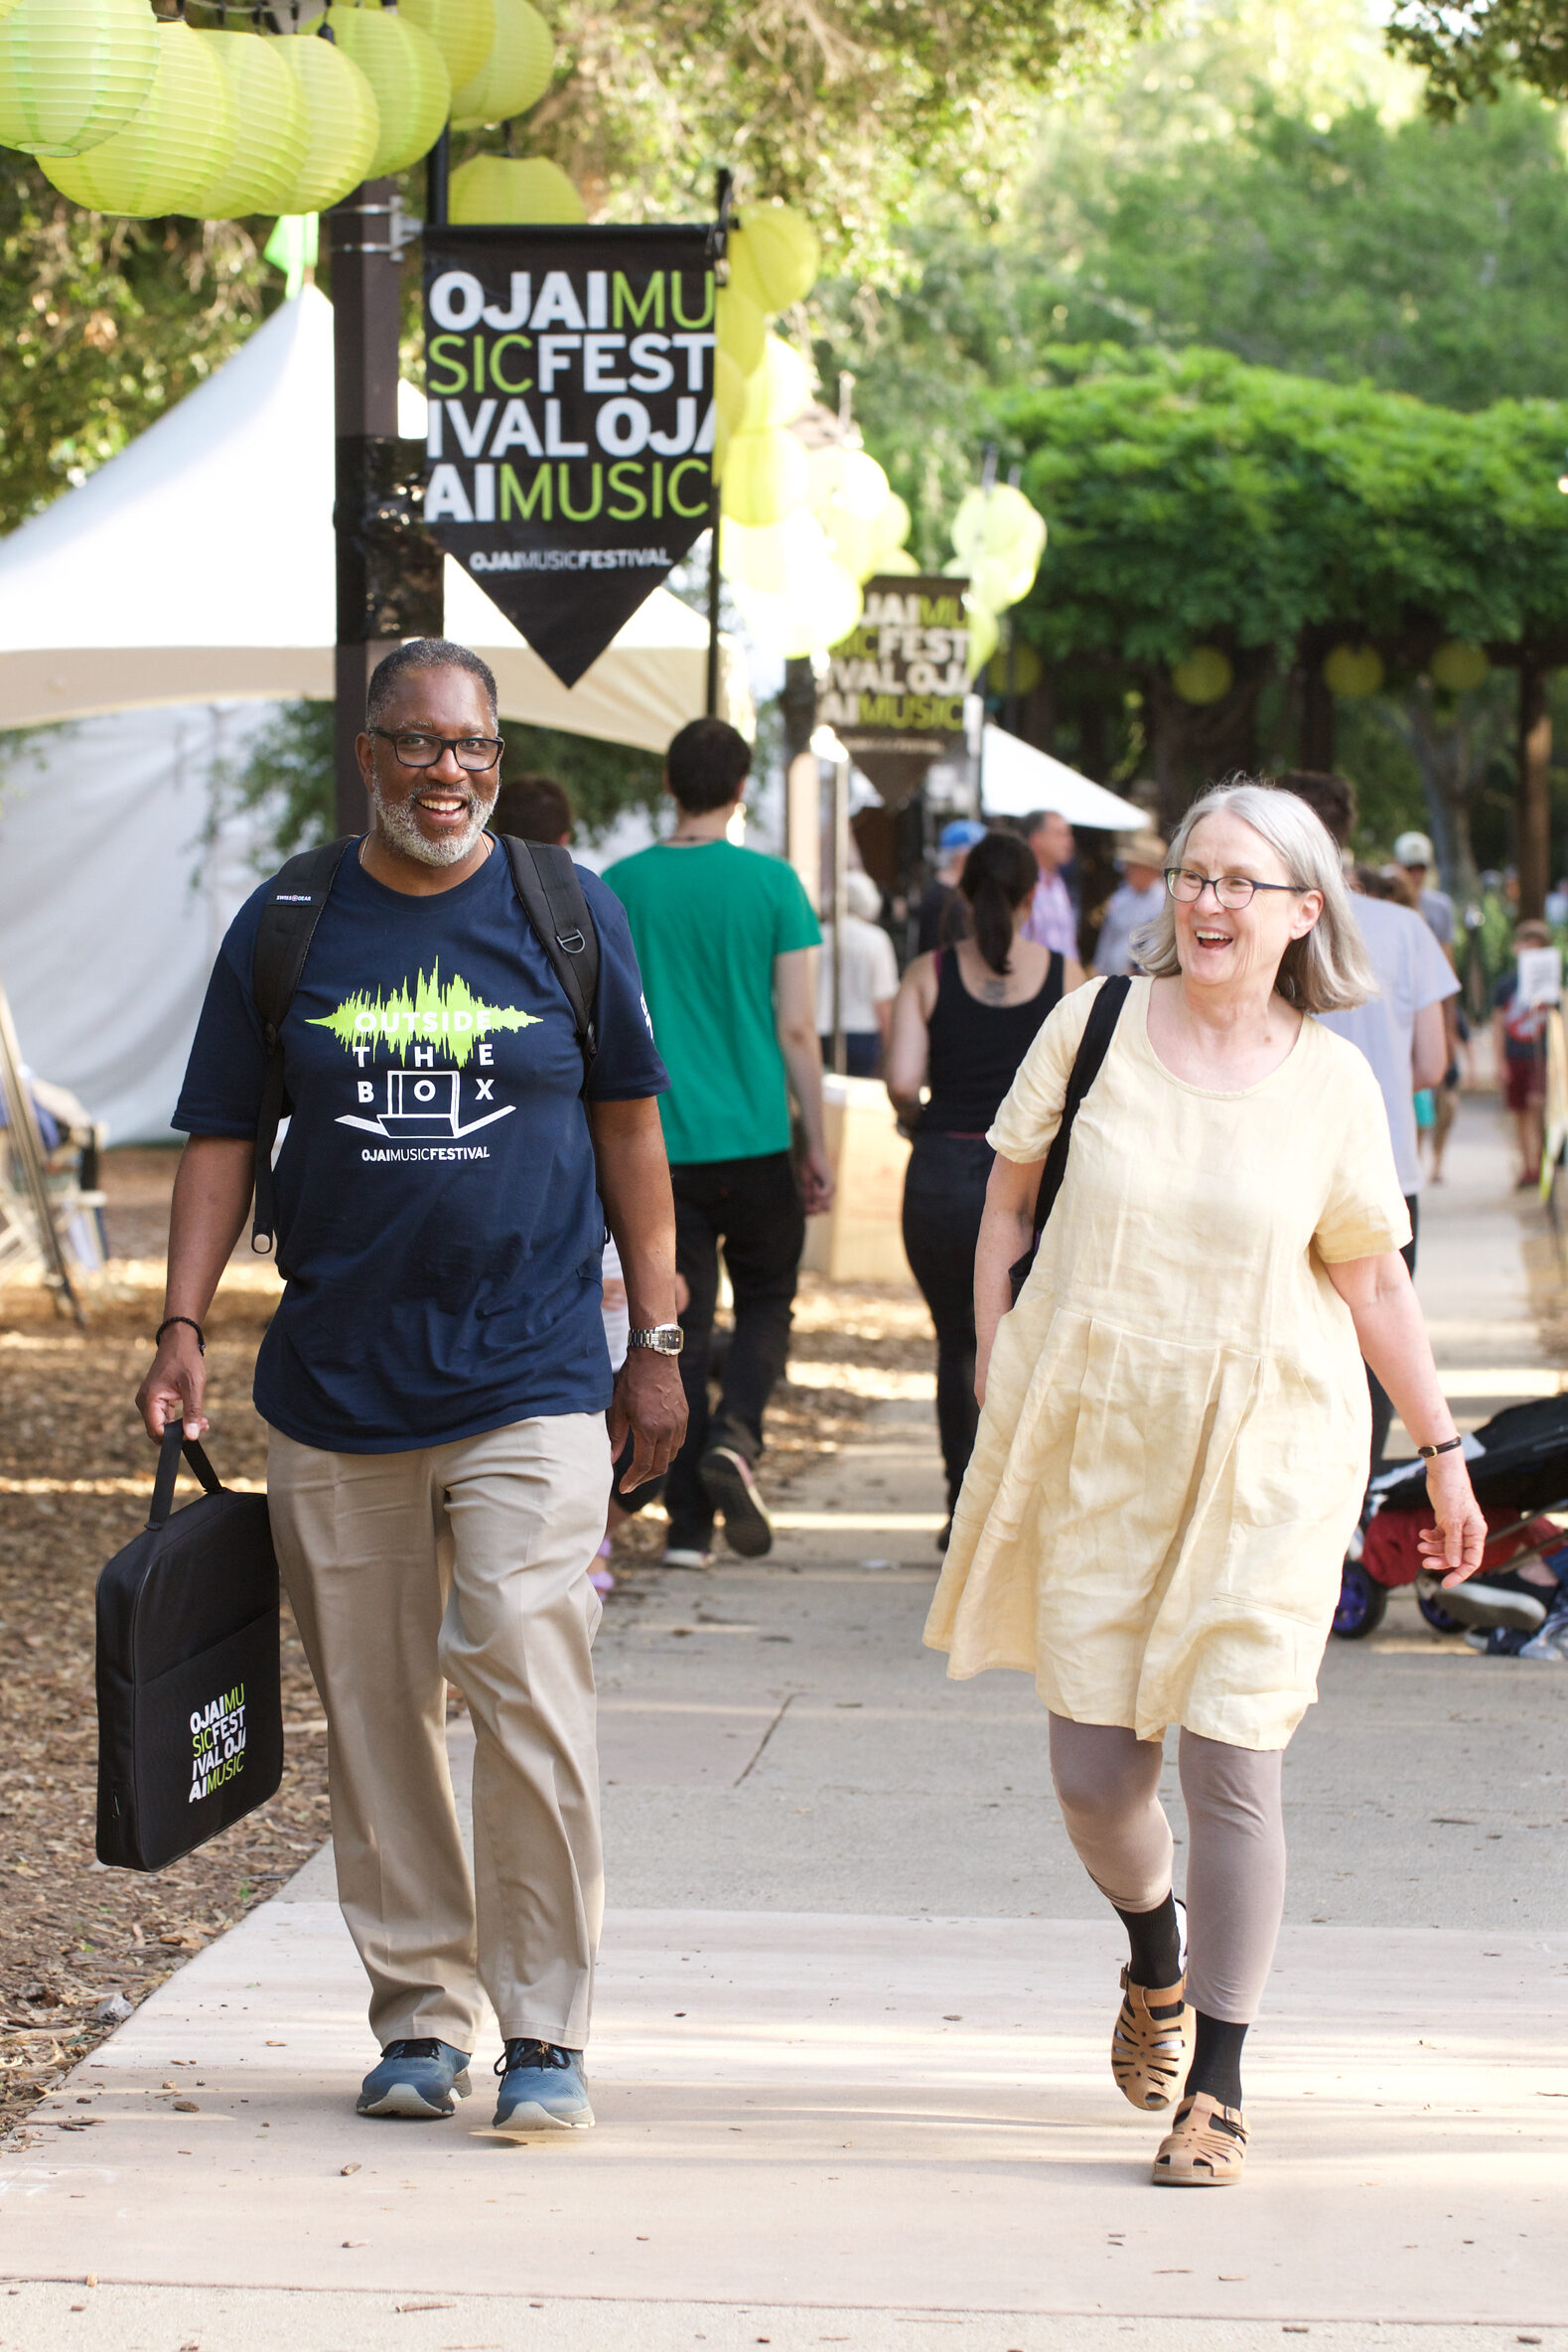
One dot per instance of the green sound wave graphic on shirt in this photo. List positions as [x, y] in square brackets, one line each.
[450, 1018]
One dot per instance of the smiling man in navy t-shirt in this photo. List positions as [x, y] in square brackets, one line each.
[436, 1379]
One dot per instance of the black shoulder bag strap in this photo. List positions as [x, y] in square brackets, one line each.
[300, 890]
[169, 1453]
[1092, 1048]
[551, 897]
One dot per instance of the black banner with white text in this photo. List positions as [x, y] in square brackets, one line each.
[570, 378]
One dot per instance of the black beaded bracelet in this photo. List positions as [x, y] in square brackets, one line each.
[1448, 1446]
[187, 1320]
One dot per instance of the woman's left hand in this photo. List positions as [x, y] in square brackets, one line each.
[1460, 1535]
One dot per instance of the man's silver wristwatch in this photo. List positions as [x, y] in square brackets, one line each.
[666, 1339]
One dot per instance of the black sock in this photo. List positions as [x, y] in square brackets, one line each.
[1156, 1940]
[1217, 2060]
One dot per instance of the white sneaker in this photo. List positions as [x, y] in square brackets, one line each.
[675, 1557]
[1551, 1643]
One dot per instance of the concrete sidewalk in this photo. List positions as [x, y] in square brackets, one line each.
[851, 1950]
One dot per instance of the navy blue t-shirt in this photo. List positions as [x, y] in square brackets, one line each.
[439, 1222]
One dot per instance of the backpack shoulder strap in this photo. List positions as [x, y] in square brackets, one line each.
[551, 896]
[299, 891]
[1093, 1046]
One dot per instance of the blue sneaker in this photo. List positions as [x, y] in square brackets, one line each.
[415, 2078]
[541, 2090]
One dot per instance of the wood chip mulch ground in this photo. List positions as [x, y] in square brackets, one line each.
[79, 1942]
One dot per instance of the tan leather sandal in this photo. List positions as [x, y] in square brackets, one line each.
[1205, 2148]
[1148, 2055]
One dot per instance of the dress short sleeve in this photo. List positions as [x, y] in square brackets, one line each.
[1030, 1111]
[1364, 1212]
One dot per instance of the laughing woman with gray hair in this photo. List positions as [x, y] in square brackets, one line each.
[1174, 1430]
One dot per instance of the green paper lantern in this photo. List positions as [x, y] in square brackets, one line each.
[1202, 676]
[778, 390]
[508, 188]
[774, 256]
[740, 328]
[728, 390]
[765, 476]
[1353, 670]
[405, 70]
[181, 134]
[516, 73]
[343, 122]
[271, 129]
[73, 72]
[463, 29]
[1459, 668]
[1024, 663]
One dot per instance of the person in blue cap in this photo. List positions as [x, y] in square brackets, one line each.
[943, 918]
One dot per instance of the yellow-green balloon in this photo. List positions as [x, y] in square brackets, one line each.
[740, 328]
[343, 122]
[180, 134]
[407, 72]
[1459, 667]
[271, 129]
[773, 255]
[1353, 670]
[73, 72]
[1202, 676]
[516, 75]
[765, 476]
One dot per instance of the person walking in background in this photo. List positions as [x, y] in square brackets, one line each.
[868, 979]
[725, 939]
[1519, 1032]
[1052, 921]
[1172, 1450]
[534, 809]
[1138, 901]
[1401, 1029]
[1413, 855]
[942, 913]
[435, 1380]
[963, 1019]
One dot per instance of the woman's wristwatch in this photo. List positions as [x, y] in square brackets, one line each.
[666, 1339]
[1449, 1445]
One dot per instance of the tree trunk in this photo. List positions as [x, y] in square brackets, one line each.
[1533, 794]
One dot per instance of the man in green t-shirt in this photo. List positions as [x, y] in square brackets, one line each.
[724, 937]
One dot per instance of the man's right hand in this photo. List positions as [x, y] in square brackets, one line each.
[175, 1387]
[816, 1182]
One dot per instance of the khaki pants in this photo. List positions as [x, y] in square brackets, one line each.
[465, 1562]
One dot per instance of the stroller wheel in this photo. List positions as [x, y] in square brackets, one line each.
[1362, 1606]
[1428, 1599]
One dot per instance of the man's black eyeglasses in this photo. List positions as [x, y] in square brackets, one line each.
[416, 749]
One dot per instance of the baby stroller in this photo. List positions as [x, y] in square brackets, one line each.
[1518, 1467]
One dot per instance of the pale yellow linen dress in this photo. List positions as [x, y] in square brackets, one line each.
[1173, 1450]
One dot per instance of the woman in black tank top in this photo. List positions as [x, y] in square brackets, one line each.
[963, 1020]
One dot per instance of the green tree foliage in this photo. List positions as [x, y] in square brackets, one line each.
[1194, 499]
[1473, 51]
[102, 324]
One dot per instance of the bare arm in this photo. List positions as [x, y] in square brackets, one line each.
[1392, 1338]
[1072, 976]
[633, 1184]
[1429, 1056]
[908, 1048]
[1006, 1230]
[794, 1025]
[211, 1193]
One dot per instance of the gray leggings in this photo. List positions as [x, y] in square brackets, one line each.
[1108, 1787]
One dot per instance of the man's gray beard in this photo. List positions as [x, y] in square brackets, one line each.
[397, 821]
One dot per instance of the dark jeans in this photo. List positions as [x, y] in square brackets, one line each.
[1383, 1404]
[752, 1206]
[943, 1198]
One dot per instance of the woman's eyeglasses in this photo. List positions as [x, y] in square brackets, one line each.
[1232, 891]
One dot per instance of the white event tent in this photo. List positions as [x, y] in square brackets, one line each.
[162, 610]
[1016, 779]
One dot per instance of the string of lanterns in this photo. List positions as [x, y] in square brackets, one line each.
[1351, 670]
[139, 115]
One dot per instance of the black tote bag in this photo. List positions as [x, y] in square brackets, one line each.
[190, 1701]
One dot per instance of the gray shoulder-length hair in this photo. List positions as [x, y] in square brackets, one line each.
[1327, 970]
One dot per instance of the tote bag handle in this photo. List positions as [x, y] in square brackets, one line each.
[169, 1452]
